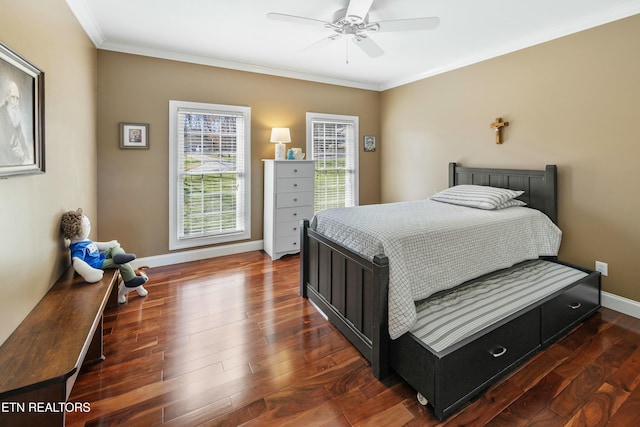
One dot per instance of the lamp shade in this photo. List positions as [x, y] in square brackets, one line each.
[280, 135]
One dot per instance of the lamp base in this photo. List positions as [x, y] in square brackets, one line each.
[280, 151]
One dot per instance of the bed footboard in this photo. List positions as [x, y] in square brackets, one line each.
[351, 291]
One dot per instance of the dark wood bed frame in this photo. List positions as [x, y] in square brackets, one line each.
[352, 292]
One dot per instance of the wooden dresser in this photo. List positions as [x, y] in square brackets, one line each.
[288, 198]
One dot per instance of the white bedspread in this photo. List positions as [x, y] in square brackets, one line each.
[434, 246]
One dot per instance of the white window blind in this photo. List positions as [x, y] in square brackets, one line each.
[210, 180]
[332, 141]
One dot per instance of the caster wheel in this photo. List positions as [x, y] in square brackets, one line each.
[422, 400]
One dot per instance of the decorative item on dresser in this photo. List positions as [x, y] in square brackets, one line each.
[288, 198]
[280, 136]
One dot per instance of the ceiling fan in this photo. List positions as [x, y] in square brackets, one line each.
[353, 23]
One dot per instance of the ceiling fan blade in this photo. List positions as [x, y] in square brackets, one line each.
[296, 19]
[358, 9]
[369, 47]
[323, 41]
[411, 24]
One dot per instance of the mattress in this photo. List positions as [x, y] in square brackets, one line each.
[433, 246]
[447, 319]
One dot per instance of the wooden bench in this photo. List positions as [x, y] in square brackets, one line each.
[41, 359]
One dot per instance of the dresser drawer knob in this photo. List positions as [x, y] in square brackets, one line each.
[498, 351]
[295, 214]
[295, 171]
[295, 185]
[295, 200]
[295, 243]
[575, 306]
[295, 228]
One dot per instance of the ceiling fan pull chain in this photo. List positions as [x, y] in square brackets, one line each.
[346, 41]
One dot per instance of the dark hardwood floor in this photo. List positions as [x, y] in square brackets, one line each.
[229, 342]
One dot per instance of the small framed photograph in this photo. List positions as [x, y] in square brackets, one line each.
[21, 115]
[369, 143]
[134, 135]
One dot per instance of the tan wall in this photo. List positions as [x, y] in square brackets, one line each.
[133, 184]
[574, 102]
[32, 254]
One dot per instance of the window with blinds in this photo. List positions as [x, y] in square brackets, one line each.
[332, 141]
[209, 172]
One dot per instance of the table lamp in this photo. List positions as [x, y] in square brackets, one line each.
[280, 136]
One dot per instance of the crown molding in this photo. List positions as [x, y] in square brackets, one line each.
[582, 24]
[87, 21]
[90, 25]
[239, 66]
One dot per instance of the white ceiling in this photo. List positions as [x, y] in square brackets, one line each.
[237, 34]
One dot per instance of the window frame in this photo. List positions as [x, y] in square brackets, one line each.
[175, 241]
[337, 118]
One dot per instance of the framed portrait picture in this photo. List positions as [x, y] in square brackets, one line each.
[21, 115]
[369, 143]
[134, 135]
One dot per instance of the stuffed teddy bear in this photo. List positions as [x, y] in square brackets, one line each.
[90, 258]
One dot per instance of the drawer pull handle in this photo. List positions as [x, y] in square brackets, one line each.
[295, 228]
[295, 243]
[295, 200]
[499, 351]
[295, 214]
[295, 185]
[295, 170]
[575, 306]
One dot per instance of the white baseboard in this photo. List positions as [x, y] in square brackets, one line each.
[621, 304]
[198, 254]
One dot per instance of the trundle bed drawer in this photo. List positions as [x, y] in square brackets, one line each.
[466, 370]
[565, 310]
[448, 359]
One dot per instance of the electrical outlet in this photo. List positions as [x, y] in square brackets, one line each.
[602, 267]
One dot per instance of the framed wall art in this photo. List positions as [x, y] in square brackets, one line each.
[21, 115]
[369, 143]
[134, 135]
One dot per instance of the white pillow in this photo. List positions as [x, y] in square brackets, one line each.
[476, 196]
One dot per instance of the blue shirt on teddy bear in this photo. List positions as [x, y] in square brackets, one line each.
[88, 252]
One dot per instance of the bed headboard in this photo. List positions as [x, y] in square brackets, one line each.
[540, 189]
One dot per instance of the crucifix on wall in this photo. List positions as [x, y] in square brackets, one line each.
[498, 125]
